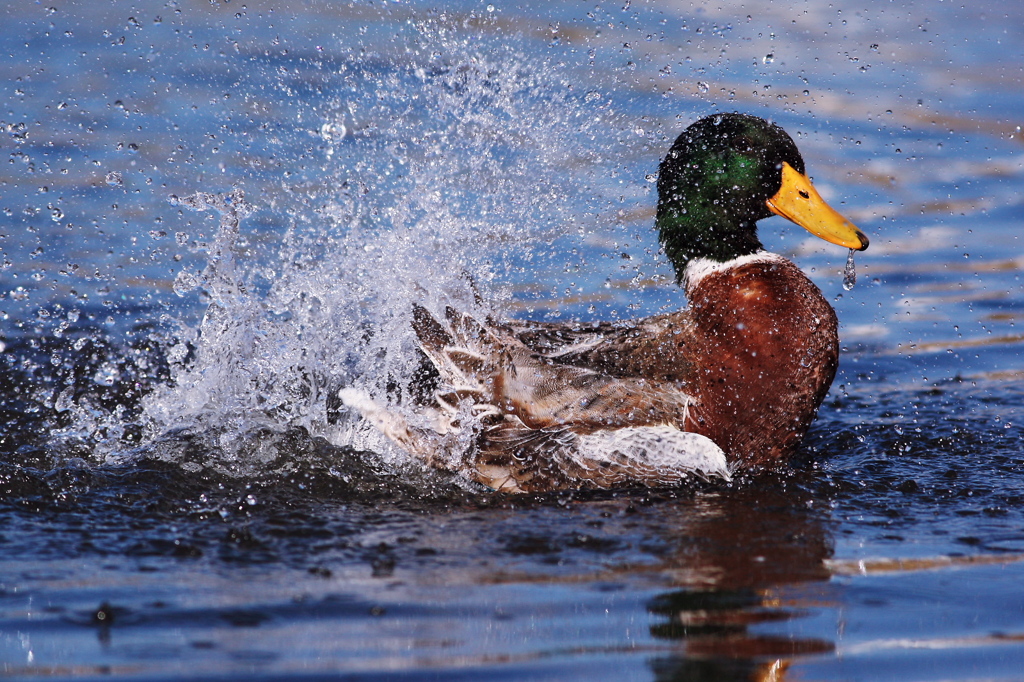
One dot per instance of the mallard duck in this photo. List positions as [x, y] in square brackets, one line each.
[730, 383]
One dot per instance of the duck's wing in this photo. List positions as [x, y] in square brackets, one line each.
[658, 347]
[554, 339]
[492, 366]
[512, 457]
[550, 425]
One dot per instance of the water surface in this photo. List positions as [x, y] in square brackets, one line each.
[216, 214]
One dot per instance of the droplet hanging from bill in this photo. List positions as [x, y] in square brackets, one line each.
[849, 272]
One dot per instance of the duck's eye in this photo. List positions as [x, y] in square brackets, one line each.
[742, 143]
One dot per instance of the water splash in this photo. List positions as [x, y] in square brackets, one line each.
[450, 169]
[849, 272]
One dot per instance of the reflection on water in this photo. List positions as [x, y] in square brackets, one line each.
[737, 552]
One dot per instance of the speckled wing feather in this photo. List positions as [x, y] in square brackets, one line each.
[656, 347]
[562, 338]
[552, 423]
[493, 364]
[538, 460]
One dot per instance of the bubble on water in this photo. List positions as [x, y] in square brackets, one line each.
[849, 272]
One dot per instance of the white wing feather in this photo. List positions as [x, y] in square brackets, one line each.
[658, 448]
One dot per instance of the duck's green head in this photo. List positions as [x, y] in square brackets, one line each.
[726, 172]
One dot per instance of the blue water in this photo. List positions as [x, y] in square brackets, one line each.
[213, 215]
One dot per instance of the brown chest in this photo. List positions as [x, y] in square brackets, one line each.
[765, 352]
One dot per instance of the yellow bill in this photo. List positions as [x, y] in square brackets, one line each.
[797, 200]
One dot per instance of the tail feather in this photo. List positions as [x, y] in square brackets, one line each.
[433, 337]
[470, 334]
[465, 353]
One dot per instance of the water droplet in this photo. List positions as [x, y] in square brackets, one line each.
[332, 132]
[490, 8]
[703, 87]
[769, 58]
[849, 272]
[114, 179]
[185, 282]
[65, 400]
[107, 374]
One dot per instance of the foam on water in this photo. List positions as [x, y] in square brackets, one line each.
[430, 175]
